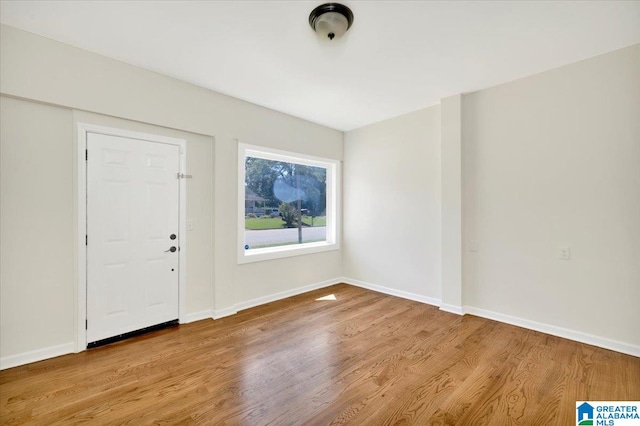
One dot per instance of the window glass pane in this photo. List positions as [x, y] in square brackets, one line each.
[285, 203]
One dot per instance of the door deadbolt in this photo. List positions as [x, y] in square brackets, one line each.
[172, 236]
[172, 249]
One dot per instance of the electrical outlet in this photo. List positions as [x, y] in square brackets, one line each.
[564, 252]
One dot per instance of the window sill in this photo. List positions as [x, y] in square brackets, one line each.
[270, 253]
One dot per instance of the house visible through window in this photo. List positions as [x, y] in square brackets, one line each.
[288, 204]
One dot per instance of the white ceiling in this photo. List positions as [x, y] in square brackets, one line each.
[399, 56]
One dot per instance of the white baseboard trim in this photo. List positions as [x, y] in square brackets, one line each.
[453, 309]
[37, 355]
[577, 336]
[590, 339]
[565, 333]
[197, 316]
[392, 291]
[284, 294]
[221, 313]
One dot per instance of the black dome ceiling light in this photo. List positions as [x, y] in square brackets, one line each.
[331, 20]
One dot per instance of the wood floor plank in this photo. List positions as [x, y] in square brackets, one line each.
[364, 358]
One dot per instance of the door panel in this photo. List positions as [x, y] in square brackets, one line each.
[132, 209]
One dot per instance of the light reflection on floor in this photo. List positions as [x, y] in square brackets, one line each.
[328, 297]
[292, 369]
[289, 363]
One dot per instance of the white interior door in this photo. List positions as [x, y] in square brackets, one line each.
[132, 224]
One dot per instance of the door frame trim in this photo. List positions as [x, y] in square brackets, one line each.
[81, 222]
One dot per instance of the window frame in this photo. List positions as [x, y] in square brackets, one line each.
[332, 241]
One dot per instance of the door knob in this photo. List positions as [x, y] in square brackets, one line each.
[172, 249]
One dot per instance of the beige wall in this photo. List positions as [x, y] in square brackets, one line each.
[548, 160]
[37, 305]
[451, 203]
[38, 227]
[554, 159]
[392, 204]
[41, 70]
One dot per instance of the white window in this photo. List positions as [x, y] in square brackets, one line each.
[287, 204]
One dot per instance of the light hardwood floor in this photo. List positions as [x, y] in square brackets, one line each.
[362, 359]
